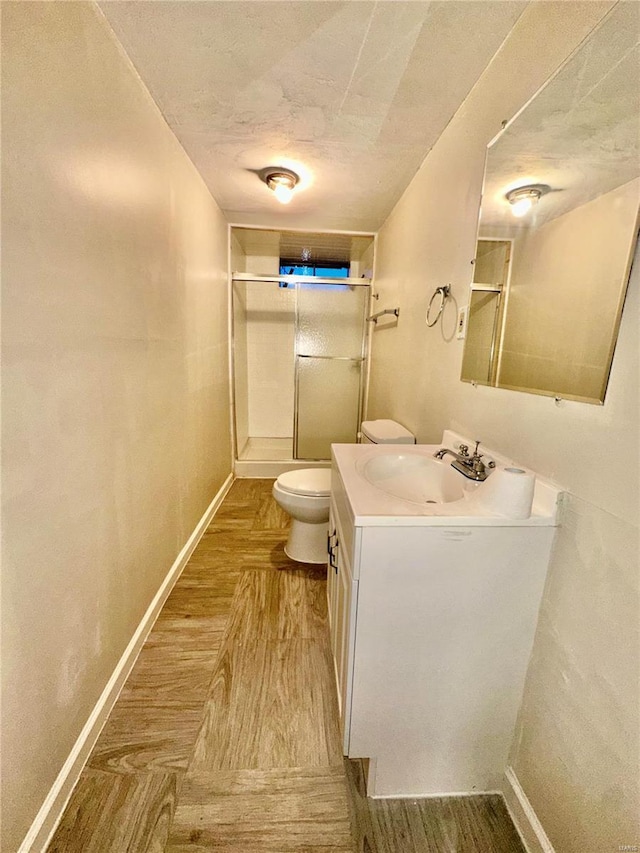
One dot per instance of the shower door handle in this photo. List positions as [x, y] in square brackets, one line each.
[331, 357]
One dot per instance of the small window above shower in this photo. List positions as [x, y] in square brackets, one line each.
[324, 269]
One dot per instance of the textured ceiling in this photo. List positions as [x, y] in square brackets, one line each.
[351, 95]
[580, 135]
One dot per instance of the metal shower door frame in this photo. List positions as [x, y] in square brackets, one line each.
[356, 359]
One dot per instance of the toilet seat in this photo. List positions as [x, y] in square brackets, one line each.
[312, 482]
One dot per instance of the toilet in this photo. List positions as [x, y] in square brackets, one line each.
[384, 431]
[305, 494]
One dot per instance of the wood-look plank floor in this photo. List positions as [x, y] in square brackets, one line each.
[291, 810]
[226, 737]
[270, 706]
[478, 824]
[130, 814]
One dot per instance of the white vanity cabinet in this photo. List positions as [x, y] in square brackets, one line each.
[342, 592]
[432, 627]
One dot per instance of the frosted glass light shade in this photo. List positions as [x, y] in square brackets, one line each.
[282, 182]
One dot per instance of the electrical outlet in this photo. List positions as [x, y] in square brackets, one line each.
[461, 329]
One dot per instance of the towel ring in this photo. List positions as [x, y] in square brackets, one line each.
[444, 293]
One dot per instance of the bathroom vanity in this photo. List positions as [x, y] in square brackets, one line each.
[433, 608]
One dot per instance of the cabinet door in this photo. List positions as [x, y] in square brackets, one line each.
[332, 585]
[347, 596]
[342, 628]
[345, 602]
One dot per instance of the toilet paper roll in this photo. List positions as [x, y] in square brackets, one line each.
[507, 492]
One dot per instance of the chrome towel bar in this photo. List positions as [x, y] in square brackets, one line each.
[374, 317]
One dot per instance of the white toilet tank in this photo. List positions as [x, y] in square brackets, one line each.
[385, 432]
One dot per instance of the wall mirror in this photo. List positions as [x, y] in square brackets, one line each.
[558, 225]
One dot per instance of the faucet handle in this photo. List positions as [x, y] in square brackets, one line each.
[463, 450]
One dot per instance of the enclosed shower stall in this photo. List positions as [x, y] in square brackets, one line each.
[299, 344]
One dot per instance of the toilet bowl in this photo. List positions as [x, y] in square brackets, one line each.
[304, 494]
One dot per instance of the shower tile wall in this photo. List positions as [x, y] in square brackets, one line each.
[240, 374]
[263, 327]
[362, 263]
[266, 263]
[238, 257]
[270, 363]
[240, 366]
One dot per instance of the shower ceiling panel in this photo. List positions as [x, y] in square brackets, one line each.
[352, 95]
[292, 244]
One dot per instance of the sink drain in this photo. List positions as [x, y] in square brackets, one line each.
[431, 502]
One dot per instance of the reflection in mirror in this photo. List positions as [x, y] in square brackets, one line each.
[491, 273]
[552, 262]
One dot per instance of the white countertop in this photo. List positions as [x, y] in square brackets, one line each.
[373, 507]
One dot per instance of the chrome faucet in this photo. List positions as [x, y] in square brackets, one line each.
[471, 466]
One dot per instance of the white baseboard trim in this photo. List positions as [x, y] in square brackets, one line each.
[439, 795]
[48, 817]
[523, 816]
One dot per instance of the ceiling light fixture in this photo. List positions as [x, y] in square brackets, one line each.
[522, 199]
[282, 182]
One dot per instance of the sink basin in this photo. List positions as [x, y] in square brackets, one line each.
[405, 486]
[412, 477]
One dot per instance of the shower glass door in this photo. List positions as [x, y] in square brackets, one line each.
[480, 360]
[330, 339]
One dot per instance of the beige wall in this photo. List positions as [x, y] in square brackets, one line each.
[115, 370]
[565, 295]
[580, 706]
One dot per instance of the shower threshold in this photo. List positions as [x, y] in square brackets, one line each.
[270, 457]
[263, 449]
